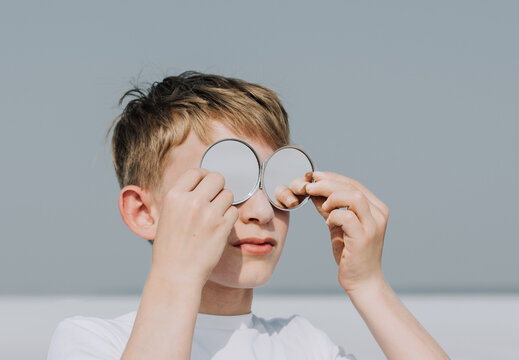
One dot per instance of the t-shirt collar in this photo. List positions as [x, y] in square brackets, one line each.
[230, 322]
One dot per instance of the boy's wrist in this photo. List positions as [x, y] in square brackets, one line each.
[370, 288]
[176, 279]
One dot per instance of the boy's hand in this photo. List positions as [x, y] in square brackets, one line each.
[357, 233]
[195, 221]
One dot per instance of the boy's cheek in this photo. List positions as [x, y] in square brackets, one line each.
[283, 218]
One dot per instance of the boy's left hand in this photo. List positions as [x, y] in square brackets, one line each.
[357, 233]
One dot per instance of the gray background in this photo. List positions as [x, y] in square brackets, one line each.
[417, 100]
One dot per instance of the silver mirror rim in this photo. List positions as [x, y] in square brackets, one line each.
[255, 188]
[264, 166]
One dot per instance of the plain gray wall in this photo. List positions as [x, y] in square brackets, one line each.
[417, 100]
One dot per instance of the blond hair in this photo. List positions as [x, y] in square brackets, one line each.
[161, 117]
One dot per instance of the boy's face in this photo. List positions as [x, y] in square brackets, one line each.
[257, 217]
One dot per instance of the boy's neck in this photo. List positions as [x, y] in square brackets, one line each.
[222, 300]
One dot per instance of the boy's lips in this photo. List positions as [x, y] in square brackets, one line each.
[255, 241]
[255, 246]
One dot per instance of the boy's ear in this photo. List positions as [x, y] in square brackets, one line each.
[138, 211]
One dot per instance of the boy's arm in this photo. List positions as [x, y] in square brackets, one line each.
[398, 333]
[196, 213]
[165, 320]
[357, 221]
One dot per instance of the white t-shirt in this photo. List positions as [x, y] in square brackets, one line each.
[216, 337]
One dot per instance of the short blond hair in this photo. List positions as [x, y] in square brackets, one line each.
[161, 117]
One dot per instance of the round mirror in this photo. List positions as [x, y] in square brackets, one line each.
[284, 177]
[239, 165]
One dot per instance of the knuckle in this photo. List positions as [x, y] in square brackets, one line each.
[278, 191]
[348, 215]
[195, 203]
[193, 172]
[286, 192]
[229, 194]
[356, 195]
[334, 214]
[332, 197]
[218, 177]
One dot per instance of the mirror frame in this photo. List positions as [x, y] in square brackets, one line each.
[261, 173]
[255, 188]
[262, 182]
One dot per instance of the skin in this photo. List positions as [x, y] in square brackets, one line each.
[196, 269]
[229, 288]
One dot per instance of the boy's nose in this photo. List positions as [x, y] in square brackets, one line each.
[256, 209]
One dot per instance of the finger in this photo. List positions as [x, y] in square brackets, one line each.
[231, 215]
[347, 221]
[356, 202]
[190, 179]
[210, 186]
[318, 202]
[328, 179]
[322, 175]
[323, 187]
[223, 201]
[285, 197]
[298, 186]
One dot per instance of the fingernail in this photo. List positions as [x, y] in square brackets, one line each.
[292, 201]
[308, 175]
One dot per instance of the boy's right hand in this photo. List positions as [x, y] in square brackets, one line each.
[195, 221]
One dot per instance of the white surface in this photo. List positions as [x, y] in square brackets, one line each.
[466, 326]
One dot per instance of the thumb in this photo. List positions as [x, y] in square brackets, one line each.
[318, 203]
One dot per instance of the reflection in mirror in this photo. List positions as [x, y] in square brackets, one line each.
[238, 164]
[284, 177]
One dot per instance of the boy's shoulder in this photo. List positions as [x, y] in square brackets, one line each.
[96, 325]
[77, 335]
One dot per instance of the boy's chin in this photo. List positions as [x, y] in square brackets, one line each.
[245, 279]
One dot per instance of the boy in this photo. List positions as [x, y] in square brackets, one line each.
[196, 302]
